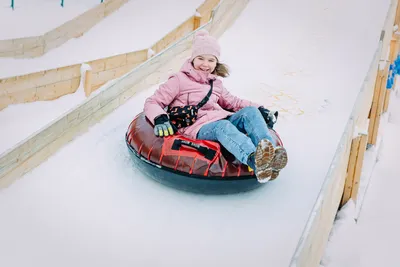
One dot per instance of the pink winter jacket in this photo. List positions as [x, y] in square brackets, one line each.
[189, 87]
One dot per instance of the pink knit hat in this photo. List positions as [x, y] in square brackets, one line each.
[205, 44]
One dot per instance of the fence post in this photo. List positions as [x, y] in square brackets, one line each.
[354, 168]
[88, 82]
[397, 17]
[196, 20]
[377, 103]
[394, 50]
[355, 145]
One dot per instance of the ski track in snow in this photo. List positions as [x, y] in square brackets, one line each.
[88, 204]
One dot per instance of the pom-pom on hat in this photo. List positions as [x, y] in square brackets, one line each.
[205, 44]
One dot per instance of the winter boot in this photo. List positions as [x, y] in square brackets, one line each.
[278, 162]
[263, 158]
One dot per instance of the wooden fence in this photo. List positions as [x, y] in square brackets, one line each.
[54, 83]
[35, 46]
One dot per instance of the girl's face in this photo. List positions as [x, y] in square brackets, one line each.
[205, 63]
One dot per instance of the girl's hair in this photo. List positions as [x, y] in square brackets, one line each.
[221, 70]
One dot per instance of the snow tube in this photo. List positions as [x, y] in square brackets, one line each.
[197, 166]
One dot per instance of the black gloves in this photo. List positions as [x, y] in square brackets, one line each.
[162, 126]
[270, 116]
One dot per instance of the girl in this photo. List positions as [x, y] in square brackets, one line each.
[237, 124]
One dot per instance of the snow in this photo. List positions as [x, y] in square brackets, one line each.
[28, 19]
[340, 238]
[360, 130]
[150, 53]
[89, 205]
[382, 64]
[84, 68]
[373, 238]
[136, 25]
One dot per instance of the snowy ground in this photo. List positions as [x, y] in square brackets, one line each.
[88, 205]
[373, 239]
[33, 18]
[136, 25]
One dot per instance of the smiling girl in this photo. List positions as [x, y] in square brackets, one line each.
[239, 125]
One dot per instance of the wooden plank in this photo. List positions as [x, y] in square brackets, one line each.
[196, 22]
[115, 61]
[56, 90]
[379, 108]
[124, 69]
[374, 107]
[97, 65]
[397, 17]
[112, 6]
[358, 168]
[176, 34]
[392, 58]
[136, 57]
[7, 45]
[355, 145]
[205, 10]
[386, 100]
[392, 53]
[88, 83]
[4, 102]
[43, 85]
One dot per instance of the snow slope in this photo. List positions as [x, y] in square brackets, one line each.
[33, 18]
[136, 25]
[88, 205]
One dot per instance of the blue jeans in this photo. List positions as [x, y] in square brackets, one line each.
[231, 132]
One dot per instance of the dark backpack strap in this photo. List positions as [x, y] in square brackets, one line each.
[207, 97]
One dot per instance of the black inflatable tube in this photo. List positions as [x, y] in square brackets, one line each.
[192, 183]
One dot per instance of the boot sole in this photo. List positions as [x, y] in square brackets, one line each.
[263, 159]
[279, 162]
